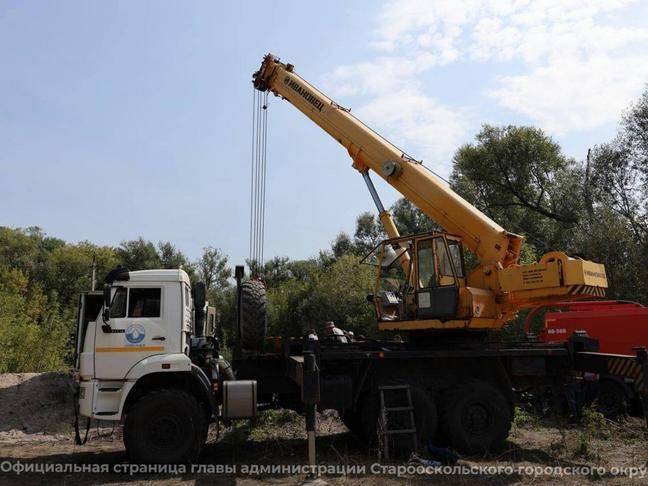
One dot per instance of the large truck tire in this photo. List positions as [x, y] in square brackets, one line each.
[253, 315]
[166, 426]
[425, 419]
[475, 417]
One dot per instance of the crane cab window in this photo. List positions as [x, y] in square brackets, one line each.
[437, 262]
[394, 264]
[426, 272]
[444, 263]
[455, 255]
[443, 259]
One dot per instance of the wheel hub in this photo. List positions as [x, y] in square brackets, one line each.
[477, 418]
[163, 431]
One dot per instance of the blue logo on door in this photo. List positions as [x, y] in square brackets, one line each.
[135, 333]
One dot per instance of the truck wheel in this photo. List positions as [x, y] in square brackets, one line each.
[253, 315]
[475, 417]
[204, 426]
[425, 419]
[611, 399]
[165, 426]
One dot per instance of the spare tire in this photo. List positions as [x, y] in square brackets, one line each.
[253, 315]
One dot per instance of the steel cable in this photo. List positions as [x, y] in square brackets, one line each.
[258, 180]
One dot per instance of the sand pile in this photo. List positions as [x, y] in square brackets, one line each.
[35, 404]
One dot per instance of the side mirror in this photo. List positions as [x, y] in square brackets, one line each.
[106, 296]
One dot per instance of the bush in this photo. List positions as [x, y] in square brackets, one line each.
[33, 331]
[334, 292]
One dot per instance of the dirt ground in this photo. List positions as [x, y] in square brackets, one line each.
[36, 417]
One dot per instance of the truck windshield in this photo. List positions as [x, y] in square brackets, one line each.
[118, 305]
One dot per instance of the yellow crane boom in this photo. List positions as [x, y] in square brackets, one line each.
[488, 240]
[436, 294]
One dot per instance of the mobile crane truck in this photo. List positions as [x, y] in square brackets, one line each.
[143, 356]
[452, 377]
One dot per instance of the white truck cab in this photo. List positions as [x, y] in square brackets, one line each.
[141, 335]
[142, 356]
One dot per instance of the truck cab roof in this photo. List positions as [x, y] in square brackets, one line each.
[161, 275]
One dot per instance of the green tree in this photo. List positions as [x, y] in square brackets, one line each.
[276, 271]
[171, 257]
[339, 293]
[411, 220]
[368, 233]
[335, 292]
[520, 178]
[20, 249]
[619, 171]
[634, 133]
[69, 268]
[29, 322]
[213, 270]
[138, 255]
[342, 245]
[616, 228]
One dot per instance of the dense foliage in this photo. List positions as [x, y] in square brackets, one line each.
[596, 208]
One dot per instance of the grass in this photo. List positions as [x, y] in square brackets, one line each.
[522, 417]
[593, 426]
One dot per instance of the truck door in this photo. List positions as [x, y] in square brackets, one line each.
[136, 331]
[90, 304]
[437, 291]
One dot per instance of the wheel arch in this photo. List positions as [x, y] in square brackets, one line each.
[194, 382]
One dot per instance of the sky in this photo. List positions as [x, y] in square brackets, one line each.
[134, 118]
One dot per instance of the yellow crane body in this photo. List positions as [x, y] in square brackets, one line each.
[490, 295]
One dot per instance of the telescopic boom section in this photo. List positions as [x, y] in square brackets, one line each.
[489, 241]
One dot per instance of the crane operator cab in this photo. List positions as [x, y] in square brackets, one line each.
[418, 278]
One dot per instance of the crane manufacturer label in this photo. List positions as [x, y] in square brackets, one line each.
[304, 93]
